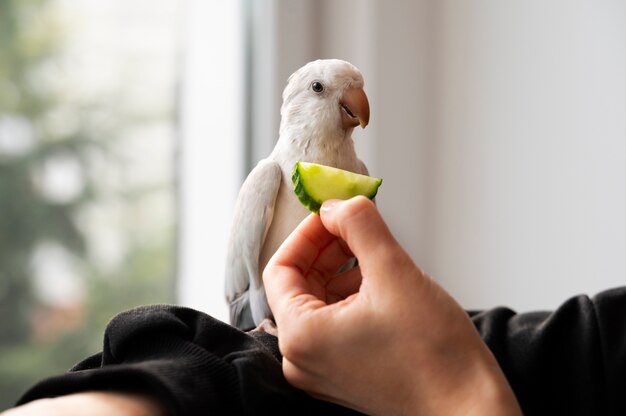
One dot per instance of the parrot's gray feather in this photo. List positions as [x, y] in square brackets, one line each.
[253, 215]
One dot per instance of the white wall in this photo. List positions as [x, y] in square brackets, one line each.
[498, 126]
[529, 152]
[500, 131]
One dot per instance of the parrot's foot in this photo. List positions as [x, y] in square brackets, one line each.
[267, 326]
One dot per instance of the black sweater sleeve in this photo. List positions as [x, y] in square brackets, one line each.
[570, 361]
[195, 364]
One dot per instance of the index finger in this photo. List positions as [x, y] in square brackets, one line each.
[284, 275]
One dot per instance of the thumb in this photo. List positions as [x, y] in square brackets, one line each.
[359, 223]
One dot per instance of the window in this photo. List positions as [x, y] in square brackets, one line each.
[212, 126]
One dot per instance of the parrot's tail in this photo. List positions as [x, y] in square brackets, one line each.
[240, 313]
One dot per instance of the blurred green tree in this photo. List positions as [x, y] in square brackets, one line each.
[26, 216]
[30, 40]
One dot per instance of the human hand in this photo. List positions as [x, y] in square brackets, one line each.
[382, 338]
[103, 403]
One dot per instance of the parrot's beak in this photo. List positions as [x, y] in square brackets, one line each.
[355, 109]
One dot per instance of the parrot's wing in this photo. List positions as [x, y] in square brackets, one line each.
[253, 214]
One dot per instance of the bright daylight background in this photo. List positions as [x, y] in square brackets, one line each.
[126, 129]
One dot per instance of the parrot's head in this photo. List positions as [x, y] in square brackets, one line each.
[325, 95]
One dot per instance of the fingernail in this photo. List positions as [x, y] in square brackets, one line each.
[330, 204]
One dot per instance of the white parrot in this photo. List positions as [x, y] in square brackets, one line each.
[322, 103]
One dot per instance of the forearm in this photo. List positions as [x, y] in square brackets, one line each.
[102, 403]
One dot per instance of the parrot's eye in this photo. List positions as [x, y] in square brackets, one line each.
[317, 86]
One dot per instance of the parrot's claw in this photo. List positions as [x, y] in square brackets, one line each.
[267, 326]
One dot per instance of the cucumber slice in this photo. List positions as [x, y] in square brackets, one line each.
[314, 184]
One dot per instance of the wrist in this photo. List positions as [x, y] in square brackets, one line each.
[477, 386]
[479, 390]
[489, 393]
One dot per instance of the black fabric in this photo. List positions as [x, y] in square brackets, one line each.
[196, 364]
[571, 361]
